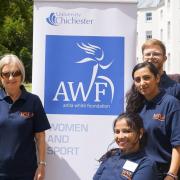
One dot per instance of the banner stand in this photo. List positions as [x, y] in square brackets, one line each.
[83, 55]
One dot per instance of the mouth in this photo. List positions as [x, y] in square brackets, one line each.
[143, 89]
[121, 143]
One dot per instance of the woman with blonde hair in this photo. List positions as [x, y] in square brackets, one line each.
[23, 122]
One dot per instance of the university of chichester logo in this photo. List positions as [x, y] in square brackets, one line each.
[68, 18]
[52, 19]
[101, 84]
[98, 57]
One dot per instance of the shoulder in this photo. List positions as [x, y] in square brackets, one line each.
[166, 80]
[146, 161]
[142, 158]
[171, 100]
[28, 95]
[111, 154]
[165, 97]
[33, 96]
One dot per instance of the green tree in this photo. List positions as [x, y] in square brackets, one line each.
[16, 29]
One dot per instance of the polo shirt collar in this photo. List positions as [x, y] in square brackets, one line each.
[134, 155]
[23, 95]
[157, 99]
[164, 77]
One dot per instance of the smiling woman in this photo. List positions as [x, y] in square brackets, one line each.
[22, 125]
[129, 160]
[160, 113]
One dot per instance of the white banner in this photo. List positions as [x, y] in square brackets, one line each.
[83, 54]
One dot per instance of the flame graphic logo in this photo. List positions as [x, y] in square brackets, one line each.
[97, 55]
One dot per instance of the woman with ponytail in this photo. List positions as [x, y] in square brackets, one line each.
[161, 117]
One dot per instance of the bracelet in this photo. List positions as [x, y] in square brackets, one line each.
[172, 175]
[42, 163]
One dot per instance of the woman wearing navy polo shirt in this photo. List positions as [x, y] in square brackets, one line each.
[161, 116]
[22, 125]
[129, 161]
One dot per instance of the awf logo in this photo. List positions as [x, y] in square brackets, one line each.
[84, 75]
[68, 18]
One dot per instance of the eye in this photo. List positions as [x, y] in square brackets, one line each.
[127, 130]
[137, 79]
[157, 54]
[147, 54]
[116, 131]
[146, 77]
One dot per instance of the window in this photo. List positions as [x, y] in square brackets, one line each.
[168, 3]
[168, 62]
[161, 14]
[148, 35]
[149, 16]
[161, 34]
[169, 30]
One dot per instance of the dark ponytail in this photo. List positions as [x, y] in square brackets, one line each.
[134, 100]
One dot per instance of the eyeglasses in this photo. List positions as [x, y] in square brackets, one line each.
[10, 74]
[154, 54]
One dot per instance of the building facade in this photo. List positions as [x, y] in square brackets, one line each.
[160, 19]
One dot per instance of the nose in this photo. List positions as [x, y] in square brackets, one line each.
[10, 77]
[150, 59]
[119, 135]
[142, 82]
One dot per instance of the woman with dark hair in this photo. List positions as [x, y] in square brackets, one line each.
[161, 116]
[128, 161]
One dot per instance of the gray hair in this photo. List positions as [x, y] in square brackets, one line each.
[11, 58]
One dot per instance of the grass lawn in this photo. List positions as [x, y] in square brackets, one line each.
[28, 86]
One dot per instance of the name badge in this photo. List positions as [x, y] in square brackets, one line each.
[128, 169]
[130, 166]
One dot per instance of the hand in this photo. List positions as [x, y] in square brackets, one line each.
[168, 178]
[40, 173]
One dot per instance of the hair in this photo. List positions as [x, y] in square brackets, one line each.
[135, 122]
[11, 58]
[134, 99]
[151, 42]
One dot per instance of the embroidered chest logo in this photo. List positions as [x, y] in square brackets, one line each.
[26, 114]
[159, 117]
[127, 174]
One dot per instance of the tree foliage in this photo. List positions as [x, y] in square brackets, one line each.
[16, 29]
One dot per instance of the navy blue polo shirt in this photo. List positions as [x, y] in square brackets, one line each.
[19, 121]
[161, 117]
[170, 86]
[112, 167]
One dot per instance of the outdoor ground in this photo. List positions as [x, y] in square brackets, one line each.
[28, 86]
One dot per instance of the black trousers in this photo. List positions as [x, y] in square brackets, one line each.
[16, 178]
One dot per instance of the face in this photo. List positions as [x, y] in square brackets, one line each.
[146, 83]
[126, 138]
[154, 54]
[11, 77]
